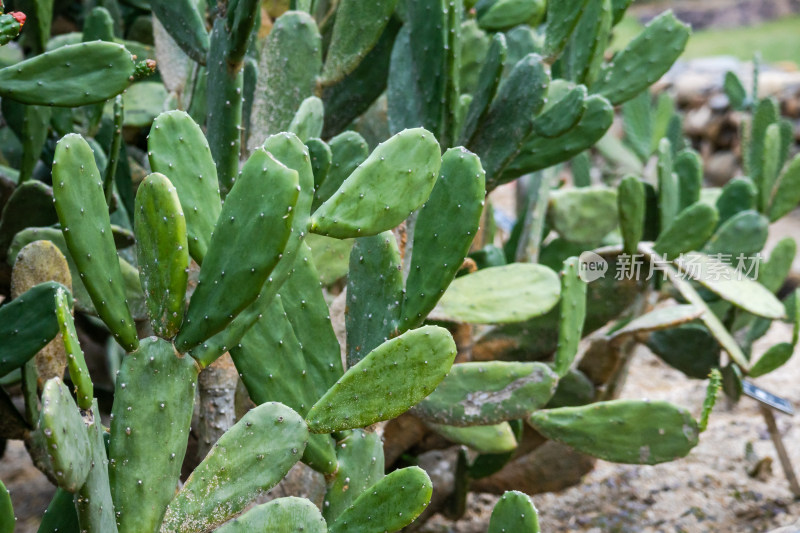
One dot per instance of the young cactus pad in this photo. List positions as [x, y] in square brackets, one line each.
[622, 431]
[510, 293]
[514, 512]
[249, 459]
[78, 371]
[282, 514]
[389, 505]
[395, 180]
[83, 213]
[65, 434]
[248, 241]
[163, 252]
[178, 149]
[73, 75]
[387, 382]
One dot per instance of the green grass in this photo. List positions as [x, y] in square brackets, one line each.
[777, 40]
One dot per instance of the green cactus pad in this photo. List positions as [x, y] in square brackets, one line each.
[773, 272]
[249, 238]
[443, 232]
[488, 393]
[675, 240]
[582, 57]
[514, 511]
[374, 294]
[291, 60]
[361, 465]
[668, 189]
[475, 45]
[27, 324]
[501, 14]
[409, 368]
[389, 505]
[540, 152]
[331, 256]
[351, 97]
[510, 293]
[282, 514]
[661, 318]
[321, 160]
[786, 194]
[308, 120]
[583, 215]
[78, 371]
[418, 74]
[7, 519]
[65, 435]
[355, 31]
[510, 118]
[731, 285]
[631, 208]
[689, 168]
[498, 438]
[308, 313]
[225, 81]
[644, 60]
[163, 253]
[290, 374]
[149, 432]
[622, 431]
[185, 25]
[287, 149]
[35, 129]
[249, 459]
[69, 76]
[93, 500]
[81, 207]
[178, 149]
[770, 168]
[60, 515]
[744, 233]
[690, 349]
[562, 18]
[572, 315]
[348, 151]
[775, 357]
[31, 204]
[565, 106]
[395, 180]
[486, 88]
[765, 114]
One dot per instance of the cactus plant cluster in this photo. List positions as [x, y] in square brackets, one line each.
[317, 139]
